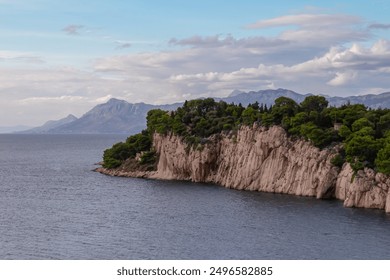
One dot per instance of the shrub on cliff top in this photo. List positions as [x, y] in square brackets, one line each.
[383, 159]
[119, 152]
[362, 131]
[114, 156]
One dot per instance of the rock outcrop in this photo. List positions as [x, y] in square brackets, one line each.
[365, 189]
[266, 159]
[255, 159]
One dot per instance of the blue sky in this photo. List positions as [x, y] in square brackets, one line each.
[61, 57]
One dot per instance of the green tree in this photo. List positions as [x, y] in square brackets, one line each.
[361, 123]
[319, 137]
[249, 116]
[138, 143]
[363, 131]
[384, 122]
[202, 127]
[314, 103]
[350, 113]
[361, 150]
[383, 158]
[284, 107]
[296, 122]
[299, 119]
[345, 132]
[114, 156]
[267, 119]
[159, 121]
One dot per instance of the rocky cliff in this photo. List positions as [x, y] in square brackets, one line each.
[266, 159]
[364, 189]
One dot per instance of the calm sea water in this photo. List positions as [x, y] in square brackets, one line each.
[52, 206]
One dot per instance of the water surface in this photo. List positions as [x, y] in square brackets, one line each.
[53, 207]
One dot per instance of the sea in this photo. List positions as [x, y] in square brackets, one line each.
[53, 206]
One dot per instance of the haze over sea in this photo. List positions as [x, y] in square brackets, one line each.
[52, 206]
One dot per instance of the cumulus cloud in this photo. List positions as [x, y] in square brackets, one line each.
[103, 99]
[337, 67]
[73, 29]
[343, 78]
[315, 53]
[301, 37]
[317, 29]
[232, 63]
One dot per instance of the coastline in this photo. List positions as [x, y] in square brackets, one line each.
[266, 160]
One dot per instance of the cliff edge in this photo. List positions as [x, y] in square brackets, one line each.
[265, 159]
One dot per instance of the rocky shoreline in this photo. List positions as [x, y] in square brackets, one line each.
[267, 160]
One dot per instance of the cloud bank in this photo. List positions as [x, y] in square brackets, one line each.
[318, 53]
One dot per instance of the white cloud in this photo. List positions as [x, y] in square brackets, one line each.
[307, 20]
[37, 100]
[343, 78]
[165, 77]
[317, 29]
[381, 47]
[22, 57]
[103, 99]
[310, 54]
[229, 40]
[338, 67]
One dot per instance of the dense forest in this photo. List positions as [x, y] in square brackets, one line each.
[364, 132]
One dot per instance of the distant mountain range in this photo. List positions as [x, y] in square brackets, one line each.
[50, 125]
[120, 117]
[371, 100]
[13, 129]
[262, 96]
[114, 117]
[268, 97]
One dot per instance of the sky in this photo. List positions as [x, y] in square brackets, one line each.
[65, 57]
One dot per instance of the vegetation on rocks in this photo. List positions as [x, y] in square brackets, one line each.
[121, 151]
[365, 133]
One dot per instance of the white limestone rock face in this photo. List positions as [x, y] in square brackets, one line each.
[365, 189]
[265, 159]
[257, 159]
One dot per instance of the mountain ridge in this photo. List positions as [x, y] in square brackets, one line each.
[49, 125]
[118, 116]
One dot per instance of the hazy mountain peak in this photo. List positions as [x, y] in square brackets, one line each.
[235, 93]
[49, 125]
[115, 116]
[115, 101]
[62, 121]
[71, 116]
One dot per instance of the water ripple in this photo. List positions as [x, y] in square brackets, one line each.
[53, 207]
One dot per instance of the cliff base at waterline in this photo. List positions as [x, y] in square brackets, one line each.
[263, 159]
